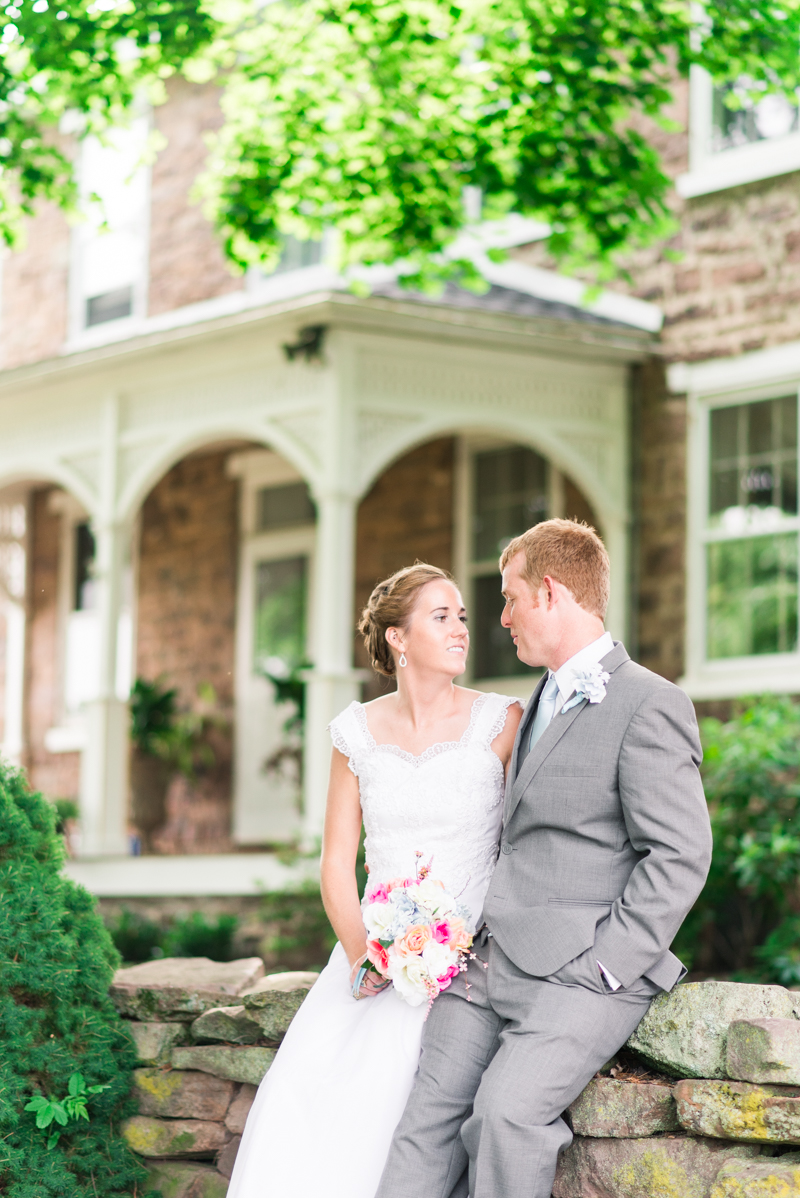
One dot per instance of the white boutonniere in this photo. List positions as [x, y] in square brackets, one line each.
[590, 684]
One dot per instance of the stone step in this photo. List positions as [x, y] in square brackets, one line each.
[665, 1167]
[180, 1179]
[740, 1111]
[767, 1177]
[623, 1109]
[238, 1064]
[155, 1041]
[174, 1137]
[263, 1015]
[685, 1032]
[764, 1050]
[182, 1094]
[178, 989]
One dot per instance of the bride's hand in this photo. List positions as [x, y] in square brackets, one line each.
[371, 982]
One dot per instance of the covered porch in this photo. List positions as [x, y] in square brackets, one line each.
[302, 446]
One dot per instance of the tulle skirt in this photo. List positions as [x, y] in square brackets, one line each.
[324, 1115]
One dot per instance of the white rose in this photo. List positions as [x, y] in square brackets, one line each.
[409, 976]
[438, 958]
[378, 919]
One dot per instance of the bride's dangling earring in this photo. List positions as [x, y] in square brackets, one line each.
[403, 662]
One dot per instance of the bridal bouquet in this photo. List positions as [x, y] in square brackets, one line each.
[417, 935]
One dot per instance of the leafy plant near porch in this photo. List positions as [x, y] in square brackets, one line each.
[748, 916]
[72, 1106]
[56, 1019]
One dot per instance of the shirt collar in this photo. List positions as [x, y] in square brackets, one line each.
[589, 655]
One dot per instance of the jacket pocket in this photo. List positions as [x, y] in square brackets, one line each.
[582, 902]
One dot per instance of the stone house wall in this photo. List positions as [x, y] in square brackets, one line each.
[408, 514]
[33, 304]
[56, 774]
[186, 619]
[186, 262]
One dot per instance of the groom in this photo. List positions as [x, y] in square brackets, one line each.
[605, 846]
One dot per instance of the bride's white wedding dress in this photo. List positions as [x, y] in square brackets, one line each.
[325, 1113]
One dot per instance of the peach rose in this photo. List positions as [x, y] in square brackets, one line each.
[414, 941]
[459, 936]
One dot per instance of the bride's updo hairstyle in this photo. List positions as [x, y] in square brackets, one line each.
[390, 606]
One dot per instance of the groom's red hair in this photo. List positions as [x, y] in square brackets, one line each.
[572, 553]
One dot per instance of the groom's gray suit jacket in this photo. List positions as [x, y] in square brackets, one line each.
[606, 837]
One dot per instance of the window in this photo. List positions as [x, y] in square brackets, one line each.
[108, 278]
[276, 564]
[738, 119]
[736, 137]
[284, 507]
[751, 530]
[297, 254]
[279, 636]
[510, 489]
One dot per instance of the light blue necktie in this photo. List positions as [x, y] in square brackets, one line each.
[548, 700]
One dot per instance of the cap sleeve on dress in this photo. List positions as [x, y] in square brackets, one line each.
[494, 715]
[346, 736]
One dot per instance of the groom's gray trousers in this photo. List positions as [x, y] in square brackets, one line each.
[496, 1073]
[606, 844]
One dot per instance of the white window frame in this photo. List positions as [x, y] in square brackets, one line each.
[68, 735]
[711, 171]
[768, 374]
[81, 335]
[265, 810]
[465, 569]
[13, 610]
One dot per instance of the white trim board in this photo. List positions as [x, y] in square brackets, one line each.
[764, 367]
[163, 877]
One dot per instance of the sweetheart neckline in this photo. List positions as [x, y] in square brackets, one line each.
[432, 750]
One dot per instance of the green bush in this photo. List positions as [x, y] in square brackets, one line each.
[746, 917]
[195, 937]
[56, 1019]
[136, 938]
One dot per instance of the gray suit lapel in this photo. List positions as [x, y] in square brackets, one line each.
[523, 732]
[560, 724]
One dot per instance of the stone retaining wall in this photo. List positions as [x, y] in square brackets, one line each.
[206, 1033]
[703, 1102]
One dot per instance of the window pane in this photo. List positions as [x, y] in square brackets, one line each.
[750, 119]
[280, 631]
[112, 305]
[752, 596]
[84, 596]
[284, 507]
[492, 649]
[753, 461]
[510, 497]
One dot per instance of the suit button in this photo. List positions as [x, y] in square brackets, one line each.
[507, 848]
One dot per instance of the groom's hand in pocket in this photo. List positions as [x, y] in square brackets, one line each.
[582, 970]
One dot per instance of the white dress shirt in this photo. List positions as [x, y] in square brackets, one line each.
[565, 680]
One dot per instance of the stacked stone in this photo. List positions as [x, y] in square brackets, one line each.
[206, 1033]
[726, 1129]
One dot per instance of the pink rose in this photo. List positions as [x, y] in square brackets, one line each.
[377, 893]
[398, 884]
[441, 932]
[378, 956]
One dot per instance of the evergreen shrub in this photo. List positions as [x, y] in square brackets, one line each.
[56, 1018]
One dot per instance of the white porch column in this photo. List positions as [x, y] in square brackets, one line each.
[333, 683]
[104, 763]
[14, 614]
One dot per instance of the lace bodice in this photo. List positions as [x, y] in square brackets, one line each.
[446, 803]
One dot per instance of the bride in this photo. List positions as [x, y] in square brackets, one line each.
[424, 769]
